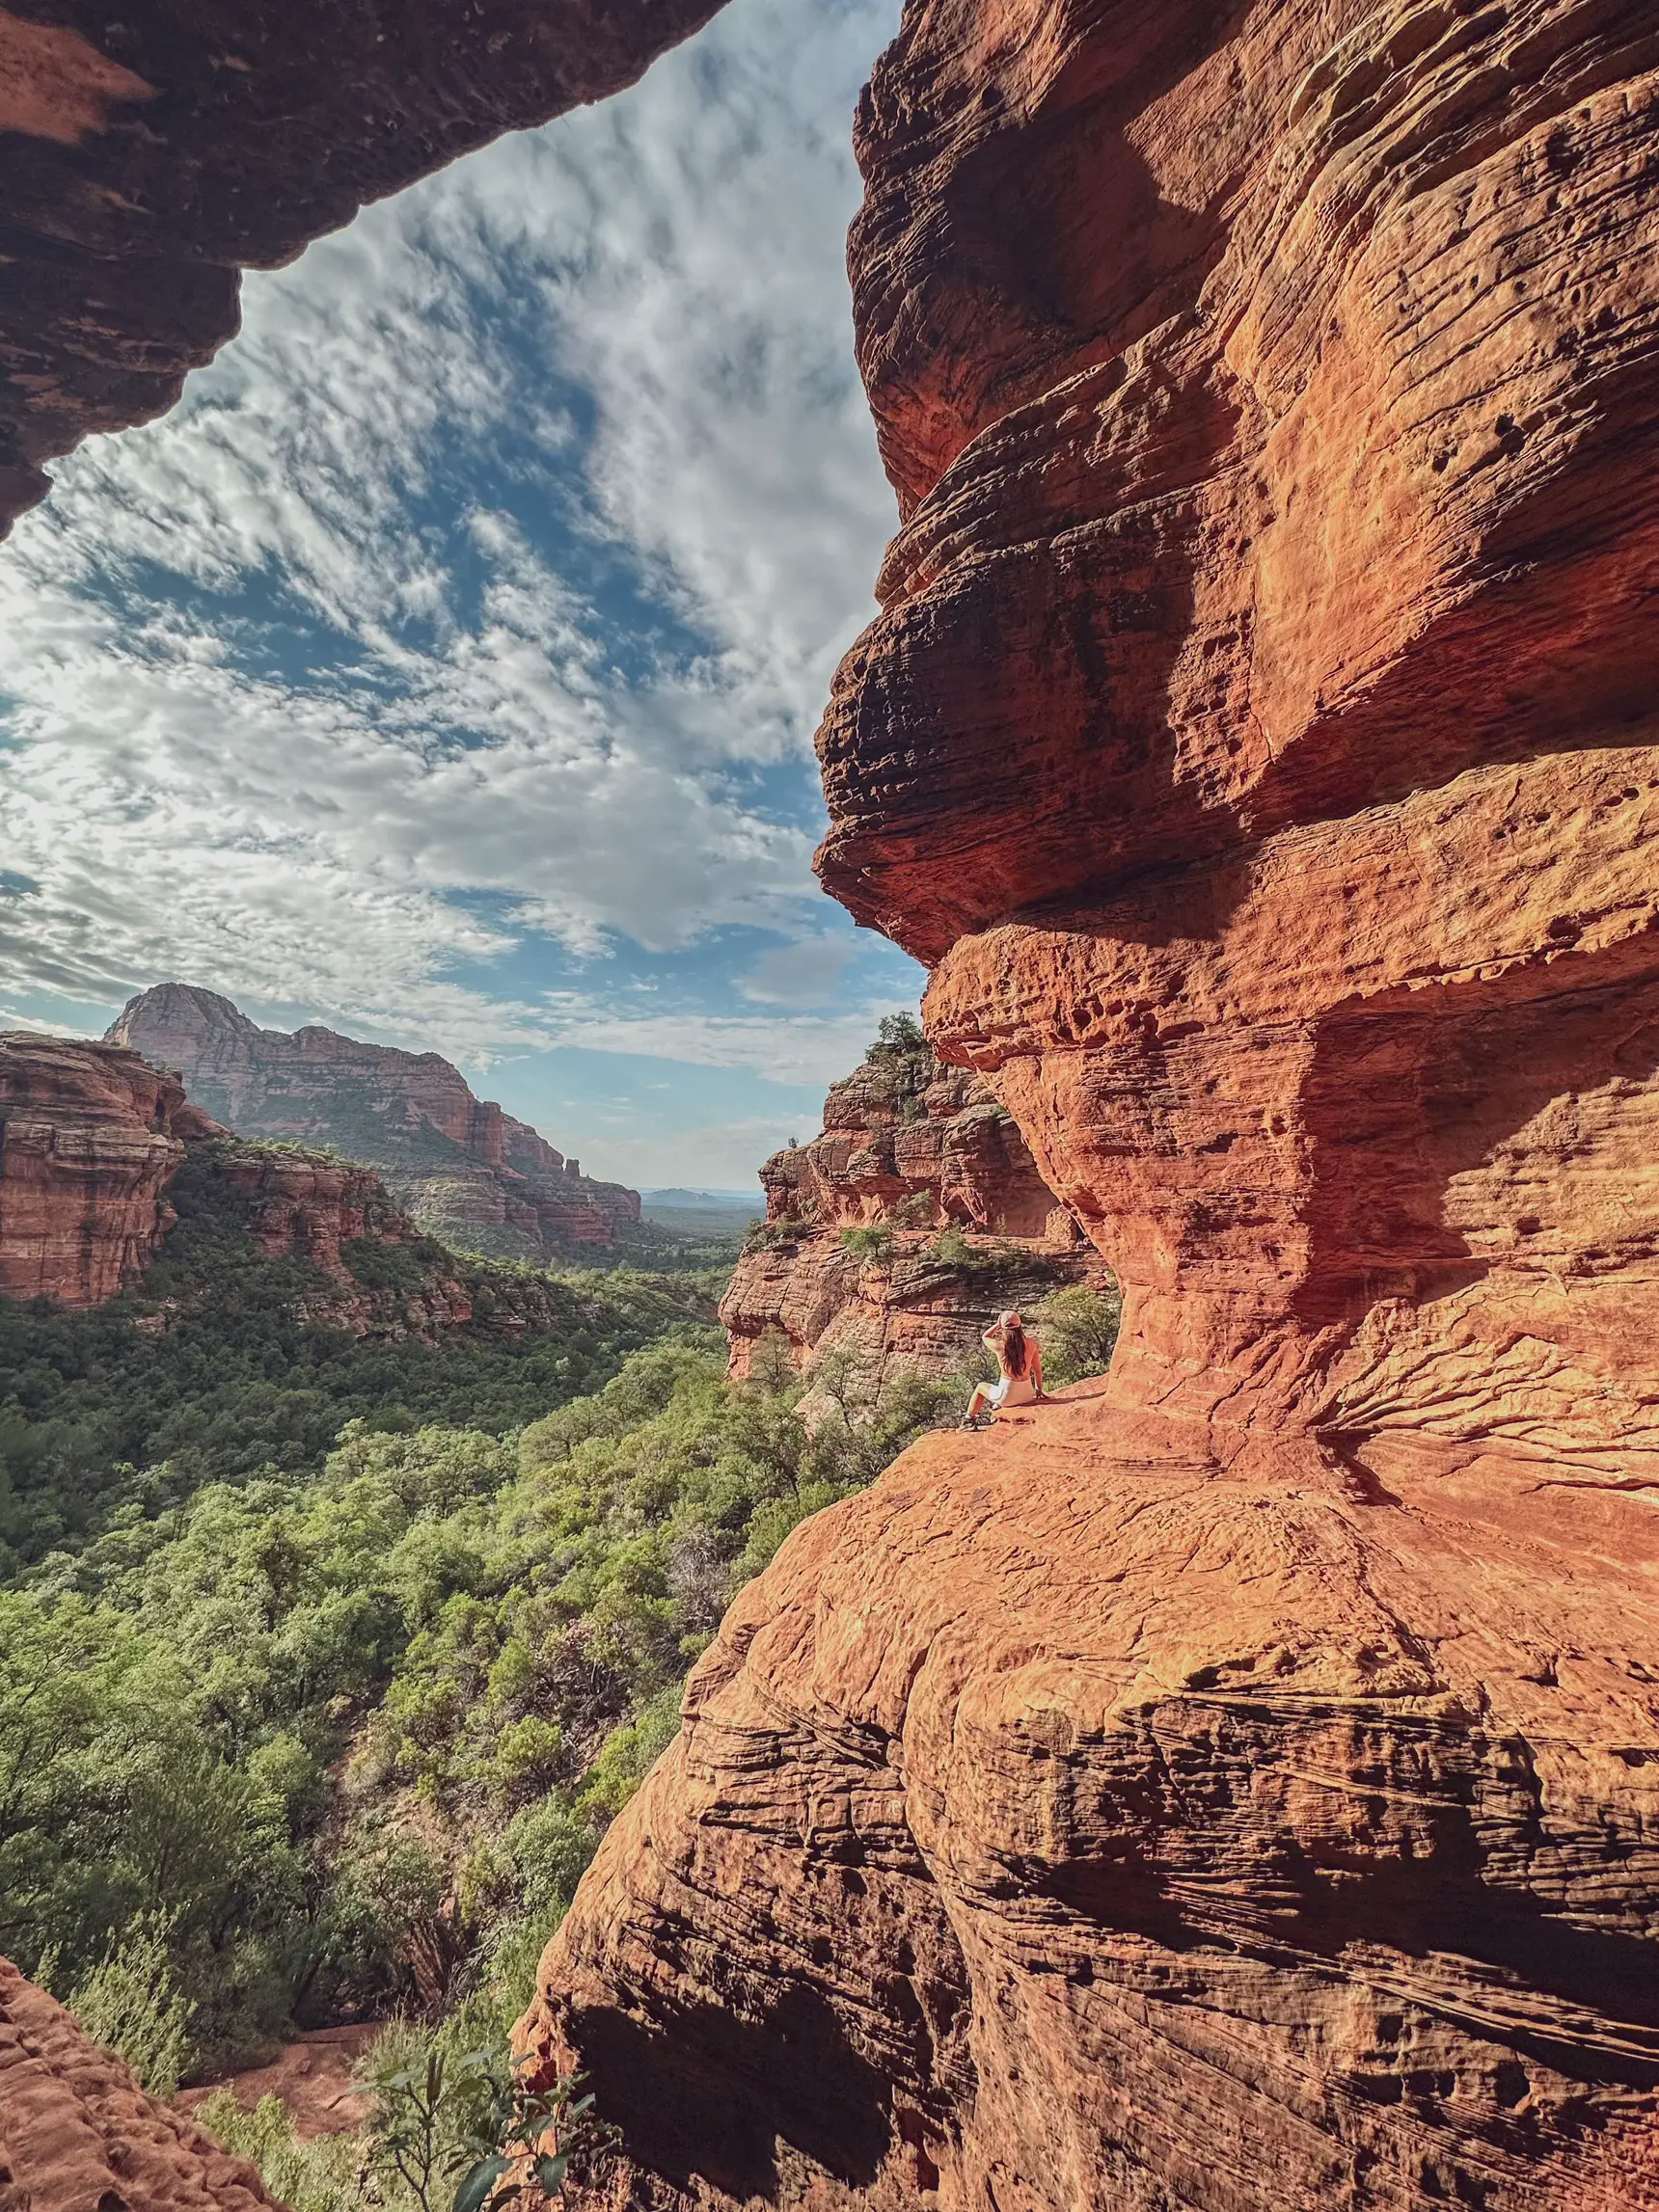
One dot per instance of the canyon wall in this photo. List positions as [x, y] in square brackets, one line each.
[149, 154]
[382, 1278]
[1234, 1786]
[89, 1137]
[912, 1148]
[467, 1171]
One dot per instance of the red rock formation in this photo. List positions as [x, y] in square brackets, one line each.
[467, 1171]
[146, 160]
[307, 1206]
[1233, 1789]
[78, 2135]
[904, 1137]
[89, 1138]
[913, 1148]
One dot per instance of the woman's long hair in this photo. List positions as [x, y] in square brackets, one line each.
[1014, 1348]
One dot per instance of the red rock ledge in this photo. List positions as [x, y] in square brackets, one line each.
[78, 2135]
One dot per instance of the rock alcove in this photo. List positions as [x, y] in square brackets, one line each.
[1239, 1777]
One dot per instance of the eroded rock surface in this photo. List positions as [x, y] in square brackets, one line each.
[90, 1135]
[465, 1169]
[78, 2135]
[911, 1148]
[1233, 1790]
[1076, 1818]
[149, 154]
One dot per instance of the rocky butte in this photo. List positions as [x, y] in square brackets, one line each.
[1234, 1785]
[909, 1149]
[89, 1137]
[467, 1171]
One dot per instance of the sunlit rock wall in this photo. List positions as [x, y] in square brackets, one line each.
[1233, 1789]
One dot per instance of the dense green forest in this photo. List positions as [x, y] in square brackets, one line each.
[218, 1365]
[326, 1661]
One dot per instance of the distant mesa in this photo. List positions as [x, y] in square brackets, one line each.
[467, 1171]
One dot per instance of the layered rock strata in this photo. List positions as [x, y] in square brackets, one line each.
[89, 1137]
[92, 1139]
[338, 1219]
[145, 161]
[467, 1171]
[77, 2134]
[1233, 1788]
[911, 1148]
[307, 1206]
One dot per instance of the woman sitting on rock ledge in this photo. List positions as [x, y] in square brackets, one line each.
[1021, 1381]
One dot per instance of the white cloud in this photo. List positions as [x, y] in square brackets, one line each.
[805, 1048]
[631, 328]
[807, 973]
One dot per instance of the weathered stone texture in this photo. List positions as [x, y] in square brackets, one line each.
[78, 2135]
[149, 154]
[1078, 1819]
[1232, 1790]
[89, 1139]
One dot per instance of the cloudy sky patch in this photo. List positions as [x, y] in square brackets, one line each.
[445, 667]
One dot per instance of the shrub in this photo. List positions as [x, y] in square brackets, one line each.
[327, 2175]
[130, 2005]
[1078, 1330]
[768, 1235]
[898, 1037]
[951, 1249]
[875, 1242]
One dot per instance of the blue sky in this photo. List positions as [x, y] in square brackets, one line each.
[445, 667]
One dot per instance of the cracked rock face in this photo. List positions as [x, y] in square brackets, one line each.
[150, 153]
[1232, 1787]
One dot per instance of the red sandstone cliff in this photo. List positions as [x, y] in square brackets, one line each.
[92, 1139]
[467, 1171]
[1232, 1789]
[149, 154]
[89, 1139]
[913, 1147]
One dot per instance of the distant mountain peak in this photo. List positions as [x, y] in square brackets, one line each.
[465, 1169]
